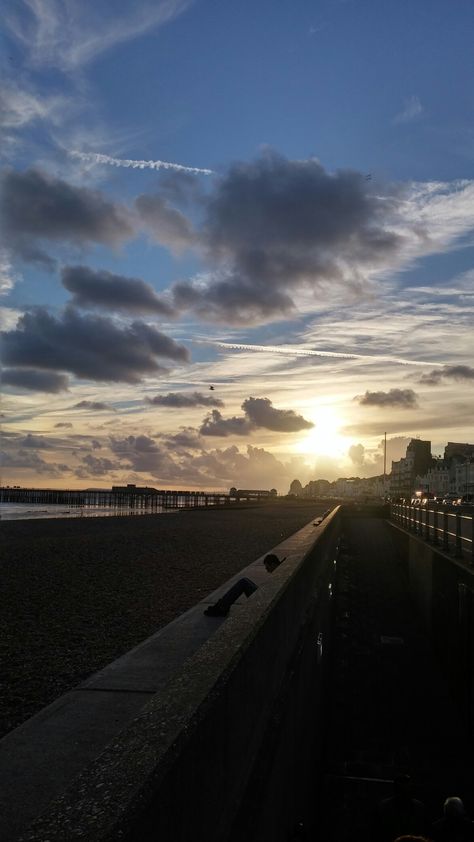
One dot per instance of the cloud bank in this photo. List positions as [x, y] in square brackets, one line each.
[259, 413]
[34, 380]
[402, 398]
[97, 288]
[458, 373]
[89, 346]
[262, 413]
[36, 206]
[277, 233]
[178, 400]
[96, 406]
[273, 226]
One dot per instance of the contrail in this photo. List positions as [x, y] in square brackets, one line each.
[311, 352]
[98, 158]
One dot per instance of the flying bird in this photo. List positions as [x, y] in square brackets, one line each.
[211, 388]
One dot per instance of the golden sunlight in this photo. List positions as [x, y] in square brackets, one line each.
[324, 438]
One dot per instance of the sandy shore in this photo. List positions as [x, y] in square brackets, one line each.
[76, 594]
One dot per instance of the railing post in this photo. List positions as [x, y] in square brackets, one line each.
[435, 526]
[445, 531]
[458, 546]
[427, 524]
[472, 539]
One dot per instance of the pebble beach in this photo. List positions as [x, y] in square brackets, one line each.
[76, 594]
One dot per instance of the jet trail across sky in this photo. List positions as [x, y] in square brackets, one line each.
[98, 158]
[288, 350]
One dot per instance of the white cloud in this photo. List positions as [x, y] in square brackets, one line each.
[70, 33]
[442, 211]
[8, 276]
[412, 110]
[9, 318]
[20, 106]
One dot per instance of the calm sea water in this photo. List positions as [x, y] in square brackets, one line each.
[38, 511]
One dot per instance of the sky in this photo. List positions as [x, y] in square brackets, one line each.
[237, 239]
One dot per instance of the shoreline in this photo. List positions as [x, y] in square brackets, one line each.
[79, 592]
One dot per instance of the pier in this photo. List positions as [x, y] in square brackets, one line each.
[130, 497]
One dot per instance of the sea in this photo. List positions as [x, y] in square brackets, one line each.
[40, 511]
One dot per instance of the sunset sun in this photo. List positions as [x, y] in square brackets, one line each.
[324, 439]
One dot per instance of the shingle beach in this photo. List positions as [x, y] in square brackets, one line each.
[77, 593]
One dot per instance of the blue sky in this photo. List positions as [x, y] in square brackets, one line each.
[338, 217]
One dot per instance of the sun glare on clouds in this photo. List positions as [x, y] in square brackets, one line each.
[324, 439]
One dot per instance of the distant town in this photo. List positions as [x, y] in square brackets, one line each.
[418, 473]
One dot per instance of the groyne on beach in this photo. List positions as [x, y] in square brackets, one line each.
[78, 593]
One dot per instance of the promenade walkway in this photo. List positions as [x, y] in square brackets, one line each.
[390, 711]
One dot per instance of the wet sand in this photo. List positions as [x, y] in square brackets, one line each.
[76, 594]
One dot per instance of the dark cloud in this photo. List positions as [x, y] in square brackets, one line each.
[95, 466]
[142, 453]
[404, 398]
[29, 459]
[234, 300]
[187, 437]
[259, 412]
[96, 406]
[89, 346]
[274, 226]
[93, 288]
[215, 425]
[458, 373]
[167, 225]
[205, 469]
[262, 413]
[244, 470]
[179, 400]
[35, 442]
[63, 424]
[36, 206]
[35, 381]
[181, 188]
[370, 461]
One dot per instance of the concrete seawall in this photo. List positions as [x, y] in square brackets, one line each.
[207, 730]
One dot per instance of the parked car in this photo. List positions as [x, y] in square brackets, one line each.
[427, 500]
[450, 499]
[466, 500]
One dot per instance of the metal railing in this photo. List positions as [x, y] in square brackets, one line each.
[452, 531]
